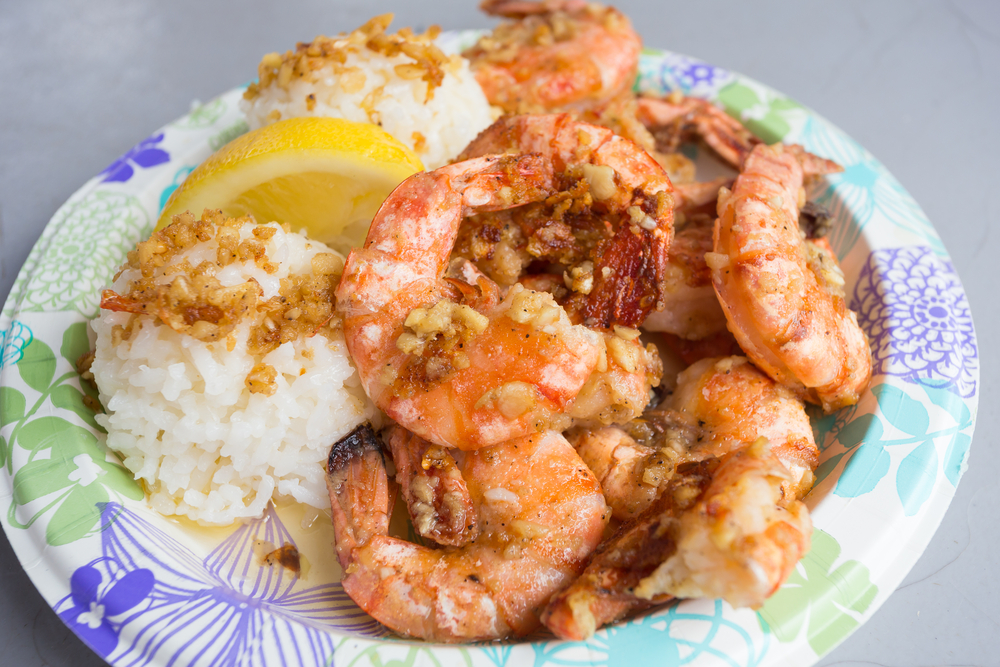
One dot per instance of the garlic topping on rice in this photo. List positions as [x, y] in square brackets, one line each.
[428, 100]
[223, 368]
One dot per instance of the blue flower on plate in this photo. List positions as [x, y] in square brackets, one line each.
[862, 193]
[96, 600]
[912, 306]
[145, 154]
[228, 608]
[12, 343]
[710, 632]
[179, 177]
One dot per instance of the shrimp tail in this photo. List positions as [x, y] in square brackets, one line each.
[360, 490]
[604, 592]
[813, 165]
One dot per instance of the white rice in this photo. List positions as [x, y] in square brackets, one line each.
[180, 414]
[367, 88]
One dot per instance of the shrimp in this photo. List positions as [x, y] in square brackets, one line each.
[742, 538]
[540, 512]
[568, 56]
[719, 406]
[604, 592]
[457, 375]
[783, 296]
[691, 308]
[609, 226]
[717, 472]
[676, 119]
[634, 462]
[461, 364]
[558, 55]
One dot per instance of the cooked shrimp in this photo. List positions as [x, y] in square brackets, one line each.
[691, 308]
[676, 119]
[719, 406]
[540, 512]
[741, 540]
[457, 375]
[558, 55]
[735, 404]
[609, 226]
[635, 461]
[727, 519]
[784, 297]
[605, 591]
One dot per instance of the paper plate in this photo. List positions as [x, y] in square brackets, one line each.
[142, 589]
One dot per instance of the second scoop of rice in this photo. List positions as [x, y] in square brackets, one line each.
[403, 83]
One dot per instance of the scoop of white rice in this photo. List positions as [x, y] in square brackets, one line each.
[181, 415]
[429, 101]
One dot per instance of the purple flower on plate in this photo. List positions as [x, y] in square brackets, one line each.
[145, 154]
[662, 72]
[96, 601]
[226, 608]
[912, 306]
[696, 72]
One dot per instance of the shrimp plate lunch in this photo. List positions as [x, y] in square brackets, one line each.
[616, 375]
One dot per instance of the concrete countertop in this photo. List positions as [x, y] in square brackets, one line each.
[916, 83]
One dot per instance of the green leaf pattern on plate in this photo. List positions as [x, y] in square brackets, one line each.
[835, 594]
[96, 234]
[67, 471]
[399, 654]
[765, 113]
[203, 115]
[219, 140]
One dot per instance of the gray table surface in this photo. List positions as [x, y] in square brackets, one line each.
[915, 82]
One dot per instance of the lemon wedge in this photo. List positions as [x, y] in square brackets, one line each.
[327, 176]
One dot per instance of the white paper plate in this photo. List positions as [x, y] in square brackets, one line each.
[142, 589]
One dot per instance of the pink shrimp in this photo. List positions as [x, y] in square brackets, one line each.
[540, 513]
[559, 55]
[457, 363]
[782, 295]
[717, 472]
[457, 376]
[610, 228]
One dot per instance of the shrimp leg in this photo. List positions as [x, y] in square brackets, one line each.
[436, 495]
